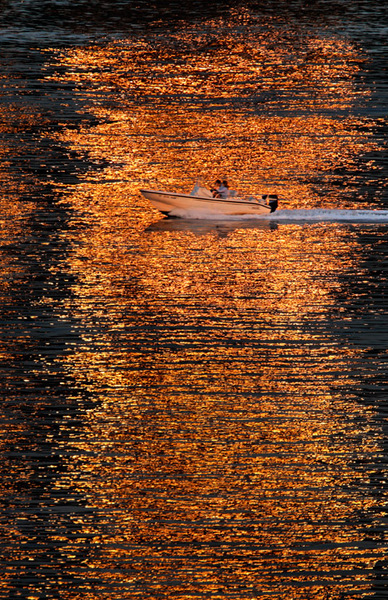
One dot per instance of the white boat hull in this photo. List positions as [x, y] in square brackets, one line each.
[170, 203]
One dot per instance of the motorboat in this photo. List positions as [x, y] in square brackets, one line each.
[201, 200]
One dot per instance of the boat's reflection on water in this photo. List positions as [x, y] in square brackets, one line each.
[221, 227]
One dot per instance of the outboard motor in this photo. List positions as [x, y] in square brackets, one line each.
[273, 202]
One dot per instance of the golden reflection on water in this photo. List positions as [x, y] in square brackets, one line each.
[225, 441]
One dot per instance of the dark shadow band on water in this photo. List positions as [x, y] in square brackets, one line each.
[222, 228]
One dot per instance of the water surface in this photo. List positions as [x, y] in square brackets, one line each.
[193, 408]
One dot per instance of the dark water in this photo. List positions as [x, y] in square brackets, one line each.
[193, 408]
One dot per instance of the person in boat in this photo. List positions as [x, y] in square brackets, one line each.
[226, 186]
[220, 191]
[215, 190]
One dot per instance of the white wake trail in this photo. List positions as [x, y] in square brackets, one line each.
[333, 215]
[288, 215]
